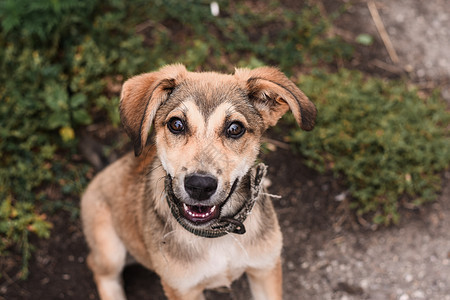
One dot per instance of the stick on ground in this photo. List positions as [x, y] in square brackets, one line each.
[382, 31]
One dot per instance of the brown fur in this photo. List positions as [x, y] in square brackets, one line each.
[124, 208]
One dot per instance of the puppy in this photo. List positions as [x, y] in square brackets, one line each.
[188, 203]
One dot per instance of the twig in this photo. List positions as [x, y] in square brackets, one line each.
[278, 144]
[144, 25]
[426, 85]
[382, 31]
[388, 67]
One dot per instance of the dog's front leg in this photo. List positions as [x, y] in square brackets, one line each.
[266, 284]
[107, 256]
[172, 294]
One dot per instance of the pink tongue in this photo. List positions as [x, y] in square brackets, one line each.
[201, 209]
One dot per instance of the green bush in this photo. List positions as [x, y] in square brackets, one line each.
[16, 222]
[247, 36]
[55, 57]
[388, 142]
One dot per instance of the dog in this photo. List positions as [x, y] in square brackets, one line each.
[189, 203]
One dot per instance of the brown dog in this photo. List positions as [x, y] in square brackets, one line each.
[188, 204]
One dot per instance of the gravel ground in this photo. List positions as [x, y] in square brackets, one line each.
[411, 261]
[419, 32]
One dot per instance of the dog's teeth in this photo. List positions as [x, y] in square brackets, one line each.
[198, 215]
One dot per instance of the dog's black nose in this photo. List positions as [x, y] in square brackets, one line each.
[200, 187]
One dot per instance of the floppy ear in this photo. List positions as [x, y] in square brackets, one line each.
[273, 94]
[140, 99]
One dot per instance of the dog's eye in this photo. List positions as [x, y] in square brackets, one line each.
[176, 125]
[235, 130]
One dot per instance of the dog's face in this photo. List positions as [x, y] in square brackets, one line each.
[208, 128]
[207, 137]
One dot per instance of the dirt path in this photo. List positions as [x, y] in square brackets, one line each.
[420, 31]
[325, 261]
[419, 34]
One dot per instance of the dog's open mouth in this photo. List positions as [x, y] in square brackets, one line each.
[195, 214]
[200, 214]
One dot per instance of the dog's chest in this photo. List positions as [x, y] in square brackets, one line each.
[224, 264]
[219, 264]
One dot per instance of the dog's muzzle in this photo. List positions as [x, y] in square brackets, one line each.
[213, 224]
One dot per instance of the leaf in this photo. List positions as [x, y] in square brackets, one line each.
[57, 120]
[78, 100]
[67, 133]
[5, 208]
[81, 116]
[364, 39]
[56, 98]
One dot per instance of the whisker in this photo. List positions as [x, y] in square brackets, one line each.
[165, 236]
[241, 196]
[163, 191]
[149, 171]
[162, 197]
[239, 244]
[271, 195]
[169, 233]
[193, 239]
[160, 178]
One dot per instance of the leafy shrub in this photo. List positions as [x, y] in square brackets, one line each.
[16, 222]
[388, 142]
[248, 36]
[55, 58]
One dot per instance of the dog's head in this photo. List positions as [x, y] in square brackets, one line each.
[208, 128]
